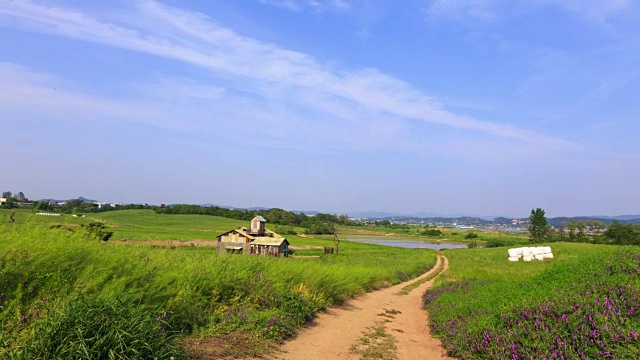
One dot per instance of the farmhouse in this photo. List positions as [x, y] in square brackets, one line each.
[256, 240]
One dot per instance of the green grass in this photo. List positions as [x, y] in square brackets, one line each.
[408, 288]
[180, 294]
[585, 299]
[492, 264]
[449, 235]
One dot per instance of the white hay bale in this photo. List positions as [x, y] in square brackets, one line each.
[547, 250]
[535, 251]
[539, 257]
[513, 258]
[526, 251]
[548, 256]
[527, 258]
[513, 252]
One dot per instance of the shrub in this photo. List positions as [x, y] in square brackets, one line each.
[471, 235]
[101, 329]
[432, 232]
[495, 243]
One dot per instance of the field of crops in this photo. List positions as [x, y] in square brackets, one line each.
[583, 304]
[64, 294]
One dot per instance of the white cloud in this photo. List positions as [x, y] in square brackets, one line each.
[290, 90]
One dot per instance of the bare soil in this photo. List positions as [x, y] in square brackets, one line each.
[338, 331]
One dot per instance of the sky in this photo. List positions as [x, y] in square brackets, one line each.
[478, 107]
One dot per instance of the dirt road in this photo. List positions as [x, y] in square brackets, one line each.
[383, 324]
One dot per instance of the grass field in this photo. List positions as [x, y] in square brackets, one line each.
[448, 234]
[55, 283]
[584, 303]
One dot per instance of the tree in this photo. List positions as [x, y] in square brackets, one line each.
[21, 196]
[538, 226]
[572, 225]
[6, 194]
[581, 227]
[595, 227]
[9, 204]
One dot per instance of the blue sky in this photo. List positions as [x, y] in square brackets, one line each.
[476, 107]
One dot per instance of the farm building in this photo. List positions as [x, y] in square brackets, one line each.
[256, 240]
[270, 246]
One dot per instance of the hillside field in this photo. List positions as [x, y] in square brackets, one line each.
[582, 304]
[55, 283]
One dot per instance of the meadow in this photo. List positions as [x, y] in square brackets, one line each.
[64, 294]
[583, 304]
[482, 237]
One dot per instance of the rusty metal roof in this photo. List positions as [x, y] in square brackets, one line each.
[269, 241]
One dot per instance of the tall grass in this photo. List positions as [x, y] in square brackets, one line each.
[55, 281]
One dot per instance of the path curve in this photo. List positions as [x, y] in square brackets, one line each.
[333, 333]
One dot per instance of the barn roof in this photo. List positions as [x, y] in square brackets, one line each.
[269, 241]
[239, 231]
[260, 218]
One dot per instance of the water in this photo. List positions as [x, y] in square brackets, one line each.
[406, 243]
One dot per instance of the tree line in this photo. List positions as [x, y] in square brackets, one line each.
[11, 199]
[318, 224]
[590, 231]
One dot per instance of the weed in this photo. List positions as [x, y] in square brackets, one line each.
[375, 344]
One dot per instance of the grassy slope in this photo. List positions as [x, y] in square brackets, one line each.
[203, 294]
[488, 307]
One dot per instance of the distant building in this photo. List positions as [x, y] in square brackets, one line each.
[255, 241]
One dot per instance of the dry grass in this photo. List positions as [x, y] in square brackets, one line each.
[376, 344]
[237, 345]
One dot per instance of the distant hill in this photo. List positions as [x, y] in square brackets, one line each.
[623, 219]
[387, 215]
[80, 198]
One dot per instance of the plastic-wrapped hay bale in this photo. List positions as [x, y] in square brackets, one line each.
[547, 250]
[513, 258]
[535, 251]
[513, 252]
[527, 257]
[548, 256]
[539, 257]
[526, 252]
[540, 249]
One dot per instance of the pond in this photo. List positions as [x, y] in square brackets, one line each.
[405, 243]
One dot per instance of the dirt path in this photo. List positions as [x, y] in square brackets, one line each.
[335, 332]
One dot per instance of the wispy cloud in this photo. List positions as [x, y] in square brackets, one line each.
[599, 11]
[266, 81]
[483, 10]
[488, 11]
[284, 4]
[313, 5]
